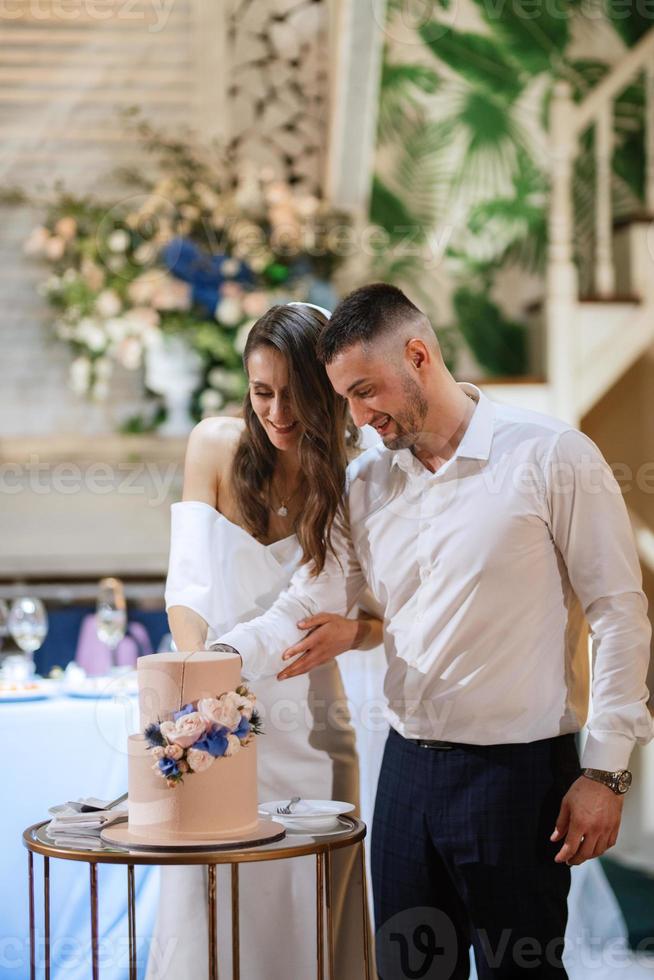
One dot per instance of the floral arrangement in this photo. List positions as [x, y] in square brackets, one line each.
[201, 732]
[200, 252]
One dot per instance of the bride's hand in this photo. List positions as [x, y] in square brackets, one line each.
[329, 635]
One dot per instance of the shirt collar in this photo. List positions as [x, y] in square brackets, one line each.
[476, 441]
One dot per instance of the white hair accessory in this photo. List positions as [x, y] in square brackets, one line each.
[312, 306]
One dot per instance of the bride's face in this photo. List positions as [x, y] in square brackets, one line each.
[270, 397]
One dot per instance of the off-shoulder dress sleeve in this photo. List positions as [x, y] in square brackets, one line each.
[190, 581]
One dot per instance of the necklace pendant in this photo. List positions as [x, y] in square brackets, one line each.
[282, 511]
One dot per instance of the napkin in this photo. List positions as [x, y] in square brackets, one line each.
[71, 828]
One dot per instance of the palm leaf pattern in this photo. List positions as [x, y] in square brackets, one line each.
[462, 141]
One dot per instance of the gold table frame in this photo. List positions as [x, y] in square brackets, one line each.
[37, 842]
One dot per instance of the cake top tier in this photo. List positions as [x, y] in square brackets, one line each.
[168, 681]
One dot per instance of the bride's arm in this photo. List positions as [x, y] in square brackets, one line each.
[208, 455]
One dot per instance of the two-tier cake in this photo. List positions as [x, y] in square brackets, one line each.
[192, 773]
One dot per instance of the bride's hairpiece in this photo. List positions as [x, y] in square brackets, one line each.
[312, 306]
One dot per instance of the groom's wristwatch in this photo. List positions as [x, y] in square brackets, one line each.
[225, 648]
[619, 781]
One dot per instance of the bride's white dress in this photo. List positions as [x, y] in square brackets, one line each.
[308, 749]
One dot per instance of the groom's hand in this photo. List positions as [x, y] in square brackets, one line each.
[589, 820]
[328, 636]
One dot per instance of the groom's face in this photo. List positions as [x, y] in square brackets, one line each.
[380, 393]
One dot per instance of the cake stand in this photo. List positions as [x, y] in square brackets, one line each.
[36, 841]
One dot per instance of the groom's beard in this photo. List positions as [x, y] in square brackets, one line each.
[408, 422]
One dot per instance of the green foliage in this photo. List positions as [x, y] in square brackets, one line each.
[389, 211]
[480, 60]
[631, 20]
[535, 32]
[499, 344]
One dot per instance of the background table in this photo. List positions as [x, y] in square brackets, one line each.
[52, 751]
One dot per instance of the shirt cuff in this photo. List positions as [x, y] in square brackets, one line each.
[609, 751]
[245, 644]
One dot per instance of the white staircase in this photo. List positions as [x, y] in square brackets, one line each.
[591, 344]
[592, 341]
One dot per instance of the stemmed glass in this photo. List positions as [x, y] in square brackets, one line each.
[111, 613]
[28, 625]
[4, 622]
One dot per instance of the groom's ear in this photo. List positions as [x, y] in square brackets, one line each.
[416, 351]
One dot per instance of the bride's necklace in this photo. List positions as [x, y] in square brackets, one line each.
[282, 510]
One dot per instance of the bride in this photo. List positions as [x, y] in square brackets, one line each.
[260, 495]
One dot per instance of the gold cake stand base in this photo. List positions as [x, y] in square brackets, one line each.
[36, 841]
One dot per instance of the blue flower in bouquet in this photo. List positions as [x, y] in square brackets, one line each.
[214, 742]
[186, 710]
[169, 767]
[205, 273]
[243, 729]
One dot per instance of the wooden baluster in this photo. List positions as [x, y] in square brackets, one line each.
[604, 271]
[649, 136]
[562, 283]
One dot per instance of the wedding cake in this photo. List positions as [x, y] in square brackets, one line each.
[192, 773]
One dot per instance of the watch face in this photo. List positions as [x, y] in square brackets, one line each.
[624, 781]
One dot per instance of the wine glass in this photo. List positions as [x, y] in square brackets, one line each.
[28, 624]
[4, 622]
[111, 613]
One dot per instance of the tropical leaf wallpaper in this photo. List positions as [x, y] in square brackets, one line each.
[462, 148]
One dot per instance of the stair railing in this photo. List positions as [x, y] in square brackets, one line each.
[568, 120]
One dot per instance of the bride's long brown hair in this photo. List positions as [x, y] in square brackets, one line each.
[294, 331]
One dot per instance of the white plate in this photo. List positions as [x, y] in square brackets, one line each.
[341, 828]
[308, 815]
[43, 689]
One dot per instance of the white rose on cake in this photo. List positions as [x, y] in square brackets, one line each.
[220, 711]
[198, 760]
[233, 745]
[185, 731]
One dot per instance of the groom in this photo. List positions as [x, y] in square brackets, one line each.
[488, 534]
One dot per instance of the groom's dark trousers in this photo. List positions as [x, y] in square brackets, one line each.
[461, 855]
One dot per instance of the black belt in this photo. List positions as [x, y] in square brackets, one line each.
[433, 743]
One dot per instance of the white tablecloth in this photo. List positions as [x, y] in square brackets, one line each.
[53, 751]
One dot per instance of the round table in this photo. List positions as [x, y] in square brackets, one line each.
[37, 841]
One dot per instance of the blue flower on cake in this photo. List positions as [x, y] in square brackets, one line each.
[214, 742]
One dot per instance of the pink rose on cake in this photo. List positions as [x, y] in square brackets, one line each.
[220, 711]
[198, 760]
[185, 731]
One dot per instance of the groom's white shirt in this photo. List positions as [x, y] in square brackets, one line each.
[485, 570]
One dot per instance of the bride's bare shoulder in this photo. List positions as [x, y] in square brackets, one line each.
[209, 456]
[219, 434]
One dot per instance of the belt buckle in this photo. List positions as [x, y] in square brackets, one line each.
[434, 745]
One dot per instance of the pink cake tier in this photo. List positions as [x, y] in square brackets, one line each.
[214, 806]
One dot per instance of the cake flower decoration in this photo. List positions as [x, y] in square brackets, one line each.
[200, 732]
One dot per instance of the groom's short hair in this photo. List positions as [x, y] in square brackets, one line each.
[365, 315]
